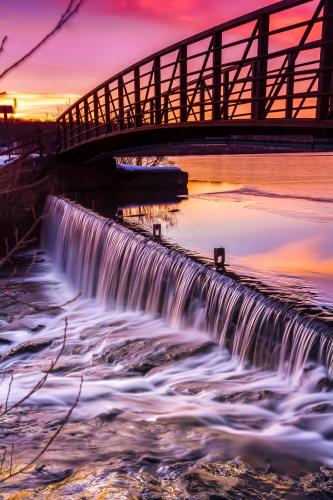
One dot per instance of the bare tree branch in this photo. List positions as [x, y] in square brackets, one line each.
[21, 243]
[15, 298]
[47, 445]
[72, 9]
[8, 392]
[42, 381]
[3, 459]
[3, 43]
[26, 186]
[12, 187]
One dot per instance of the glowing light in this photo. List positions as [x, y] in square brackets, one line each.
[39, 106]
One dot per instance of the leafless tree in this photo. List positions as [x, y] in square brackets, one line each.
[6, 464]
[12, 188]
[146, 161]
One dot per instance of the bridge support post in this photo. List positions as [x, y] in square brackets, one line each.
[64, 133]
[217, 74]
[107, 108]
[290, 87]
[152, 112]
[96, 117]
[225, 107]
[166, 109]
[137, 95]
[78, 122]
[71, 128]
[202, 100]
[121, 120]
[157, 90]
[86, 118]
[325, 84]
[183, 83]
[59, 132]
[260, 70]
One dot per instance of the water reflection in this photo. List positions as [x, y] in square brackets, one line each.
[166, 214]
[273, 214]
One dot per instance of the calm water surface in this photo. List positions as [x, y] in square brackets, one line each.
[273, 214]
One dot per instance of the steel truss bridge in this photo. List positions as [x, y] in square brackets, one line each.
[267, 72]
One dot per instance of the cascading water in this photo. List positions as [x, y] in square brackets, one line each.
[160, 398]
[127, 270]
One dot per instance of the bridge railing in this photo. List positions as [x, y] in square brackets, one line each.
[275, 63]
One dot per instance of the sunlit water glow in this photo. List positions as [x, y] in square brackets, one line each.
[272, 213]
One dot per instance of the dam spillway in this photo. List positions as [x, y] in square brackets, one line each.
[130, 271]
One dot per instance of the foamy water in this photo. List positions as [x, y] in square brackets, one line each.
[185, 361]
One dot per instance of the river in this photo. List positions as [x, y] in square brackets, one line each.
[195, 386]
[272, 213]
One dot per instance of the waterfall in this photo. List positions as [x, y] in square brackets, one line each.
[125, 269]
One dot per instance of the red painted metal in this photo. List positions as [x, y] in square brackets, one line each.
[241, 73]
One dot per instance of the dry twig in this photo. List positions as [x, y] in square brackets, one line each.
[72, 9]
[22, 242]
[48, 443]
[40, 308]
[41, 382]
[3, 43]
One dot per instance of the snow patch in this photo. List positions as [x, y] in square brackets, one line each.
[135, 168]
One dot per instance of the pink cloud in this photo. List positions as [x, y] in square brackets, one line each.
[195, 15]
[163, 10]
[200, 13]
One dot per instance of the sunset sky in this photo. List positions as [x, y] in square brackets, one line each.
[106, 36]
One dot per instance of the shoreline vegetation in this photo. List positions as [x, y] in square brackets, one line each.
[24, 184]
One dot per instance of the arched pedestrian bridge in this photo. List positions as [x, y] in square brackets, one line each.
[266, 73]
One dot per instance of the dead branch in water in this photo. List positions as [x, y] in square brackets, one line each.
[8, 408]
[21, 243]
[40, 383]
[3, 459]
[8, 391]
[26, 186]
[14, 298]
[48, 443]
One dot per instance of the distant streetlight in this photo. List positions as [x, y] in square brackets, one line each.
[6, 110]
